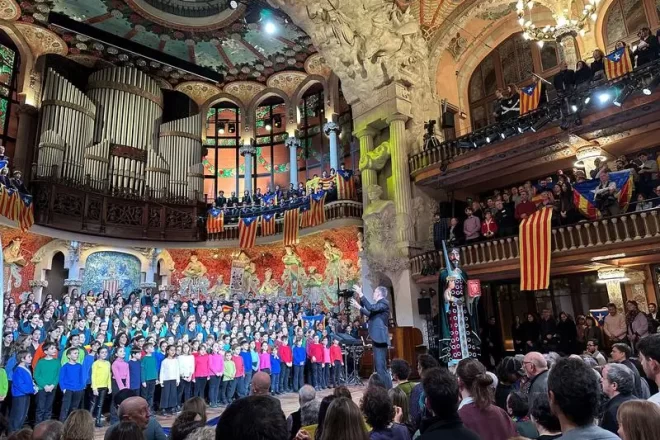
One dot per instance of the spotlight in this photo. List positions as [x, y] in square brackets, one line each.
[488, 140]
[221, 130]
[270, 27]
[625, 93]
[465, 144]
[574, 108]
[480, 141]
[652, 85]
[587, 100]
[232, 127]
[233, 4]
[540, 123]
[277, 121]
[268, 126]
[508, 132]
[564, 124]
[604, 97]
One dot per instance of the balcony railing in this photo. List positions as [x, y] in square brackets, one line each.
[623, 229]
[341, 209]
[445, 152]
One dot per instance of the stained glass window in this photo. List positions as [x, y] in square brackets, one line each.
[8, 75]
[625, 17]
[223, 135]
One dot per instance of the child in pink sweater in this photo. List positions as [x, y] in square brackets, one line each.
[216, 368]
[202, 371]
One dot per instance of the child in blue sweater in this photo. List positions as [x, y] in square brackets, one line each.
[72, 383]
[22, 389]
[275, 370]
[299, 358]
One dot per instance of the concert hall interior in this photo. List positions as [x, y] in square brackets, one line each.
[478, 158]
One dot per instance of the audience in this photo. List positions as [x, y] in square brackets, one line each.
[78, 426]
[546, 423]
[48, 430]
[343, 421]
[306, 394]
[127, 431]
[323, 409]
[185, 424]
[639, 420]
[136, 409]
[518, 408]
[401, 400]
[536, 370]
[379, 413]
[649, 356]
[400, 374]
[417, 407]
[618, 384]
[252, 417]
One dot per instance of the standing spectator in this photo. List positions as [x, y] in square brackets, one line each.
[598, 65]
[476, 409]
[649, 356]
[637, 323]
[518, 335]
[546, 423]
[531, 332]
[639, 420]
[567, 334]
[621, 354]
[442, 391]
[440, 230]
[505, 219]
[400, 374]
[517, 406]
[647, 47]
[617, 385]
[492, 345]
[564, 80]
[642, 204]
[525, 208]
[574, 394]
[605, 195]
[455, 233]
[489, 226]
[548, 331]
[582, 74]
[417, 398]
[471, 226]
[593, 352]
[593, 332]
[536, 370]
[581, 327]
[615, 325]
[653, 317]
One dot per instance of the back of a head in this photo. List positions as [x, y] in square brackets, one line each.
[639, 420]
[649, 347]
[343, 421]
[400, 399]
[23, 434]
[306, 394]
[400, 369]
[426, 362]
[476, 380]
[261, 384]
[377, 408]
[48, 430]
[518, 404]
[126, 430]
[574, 390]
[508, 370]
[542, 413]
[441, 389]
[309, 413]
[203, 433]
[78, 426]
[376, 381]
[323, 409]
[196, 405]
[342, 391]
[184, 424]
[252, 417]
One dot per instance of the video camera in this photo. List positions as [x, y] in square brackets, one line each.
[346, 293]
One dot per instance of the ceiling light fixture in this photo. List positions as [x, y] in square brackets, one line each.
[270, 27]
[221, 130]
[565, 25]
[269, 127]
[233, 4]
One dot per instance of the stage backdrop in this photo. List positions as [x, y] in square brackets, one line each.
[111, 271]
[18, 249]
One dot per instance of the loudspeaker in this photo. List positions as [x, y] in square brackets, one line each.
[424, 306]
[447, 119]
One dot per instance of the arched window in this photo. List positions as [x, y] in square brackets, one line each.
[314, 156]
[9, 64]
[272, 158]
[625, 17]
[221, 164]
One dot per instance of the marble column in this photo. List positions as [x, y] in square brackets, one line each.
[332, 130]
[293, 144]
[401, 179]
[27, 123]
[248, 152]
[368, 177]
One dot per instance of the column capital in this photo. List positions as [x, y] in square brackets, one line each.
[396, 117]
[247, 150]
[331, 126]
[27, 109]
[365, 132]
[292, 142]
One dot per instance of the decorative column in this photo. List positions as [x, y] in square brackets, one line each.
[27, 123]
[401, 179]
[248, 151]
[332, 130]
[293, 143]
[149, 281]
[74, 281]
[612, 277]
[368, 176]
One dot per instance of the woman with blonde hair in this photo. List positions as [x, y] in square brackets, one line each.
[344, 421]
[78, 426]
[639, 420]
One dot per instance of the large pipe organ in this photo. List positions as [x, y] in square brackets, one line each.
[112, 139]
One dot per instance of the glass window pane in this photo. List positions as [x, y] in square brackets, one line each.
[264, 162]
[633, 11]
[615, 28]
[508, 60]
[209, 189]
[476, 91]
[6, 65]
[264, 183]
[479, 118]
[4, 106]
[549, 55]
[525, 64]
[488, 72]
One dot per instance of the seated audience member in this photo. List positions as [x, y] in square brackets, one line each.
[78, 426]
[621, 354]
[417, 408]
[136, 409]
[509, 379]
[518, 409]
[617, 385]
[400, 374]
[401, 400]
[536, 370]
[592, 351]
[471, 226]
[476, 409]
[379, 413]
[252, 417]
[649, 356]
[184, 424]
[323, 410]
[260, 384]
[196, 405]
[306, 394]
[127, 431]
[442, 396]
[204, 433]
[639, 420]
[546, 423]
[343, 420]
[574, 394]
[342, 391]
[48, 430]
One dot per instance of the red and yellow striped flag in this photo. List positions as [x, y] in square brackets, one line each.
[346, 185]
[530, 97]
[535, 250]
[618, 63]
[26, 213]
[305, 217]
[267, 225]
[317, 208]
[291, 226]
[247, 232]
[215, 221]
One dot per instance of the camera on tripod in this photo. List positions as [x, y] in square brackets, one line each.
[346, 293]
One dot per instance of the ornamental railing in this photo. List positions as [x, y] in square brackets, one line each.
[620, 230]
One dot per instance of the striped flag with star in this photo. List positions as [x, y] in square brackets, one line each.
[247, 232]
[346, 185]
[317, 205]
[305, 216]
[618, 63]
[26, 212]
[267, 225]
[535, 250]
[215, 221]
[291, 226]
[530, 97]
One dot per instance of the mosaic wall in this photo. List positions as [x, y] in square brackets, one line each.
[18, 249]
[104, 268]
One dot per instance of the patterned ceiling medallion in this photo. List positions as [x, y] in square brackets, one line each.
[315, 65]
[287, 81]
[198, 91]
[42, 41]
[243, 90]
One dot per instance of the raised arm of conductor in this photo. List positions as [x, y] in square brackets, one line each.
[367, 308]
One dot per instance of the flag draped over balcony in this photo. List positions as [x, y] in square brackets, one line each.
[618, 63]
[584, 192]
[317, 205]
[25, 212]
[530, 97]
[346, 185]
[291, 226]
[325, 182]
[268, 197]
[535, 250]
[305, 217]
[215, 221]
[267, 225]
[247, 232]
[17, 207]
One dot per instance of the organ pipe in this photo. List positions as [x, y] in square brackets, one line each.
[51, 152]
[96, 164]
[181, 146]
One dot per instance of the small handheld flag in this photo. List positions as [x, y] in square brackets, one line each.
[530, 97]
[618, 63]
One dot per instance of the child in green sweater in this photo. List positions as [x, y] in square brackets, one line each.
[149, 373]
[228, 382]
[46, 376]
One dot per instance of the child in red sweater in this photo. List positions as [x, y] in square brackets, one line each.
[489, 226]
[315, 353]
[202, 371]
[286, 362]
[337, 361]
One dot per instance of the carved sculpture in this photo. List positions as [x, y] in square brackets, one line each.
[376, 158]
[457, 46]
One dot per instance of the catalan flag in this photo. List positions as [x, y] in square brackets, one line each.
[268, 197]
[346, 185]
[618, 63]
[535, 250]
[317, 208]
[312, 184]
[215, 221]
[325, 182]
[305, 216]
[530, 97]
[247, 232]
[584, 193]
[267, 225]
[26, 212]
[7, 202]
[291, 226]
[227, 308]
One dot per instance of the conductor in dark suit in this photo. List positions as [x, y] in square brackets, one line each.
[378, 313]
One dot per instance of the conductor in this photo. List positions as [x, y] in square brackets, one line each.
[378, 313]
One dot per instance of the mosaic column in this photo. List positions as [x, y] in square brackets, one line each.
[293, 144]
[401, 178]
[368, 176]
[332, 130]
[248, 152]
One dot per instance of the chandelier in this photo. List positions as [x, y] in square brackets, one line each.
[565, 27]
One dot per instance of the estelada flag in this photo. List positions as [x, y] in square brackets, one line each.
[535, 250]
[530, 97]
[317, 208]
[618, 63]
[584, 193]
[346, 185]
[26, 212]
[247, 232]
[215, 221]
[305, 216]
[291, 226]
[6, 202]
[267, 225]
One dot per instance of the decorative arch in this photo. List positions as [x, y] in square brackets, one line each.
[27, 59]
[645, 13]
[166, 266]
[306, 84]
[265, 94]
[85, 253]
